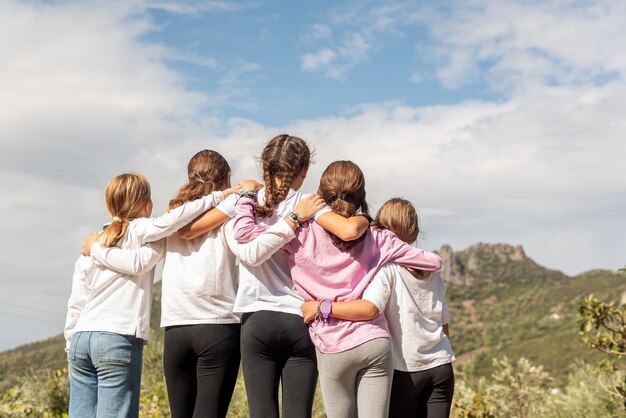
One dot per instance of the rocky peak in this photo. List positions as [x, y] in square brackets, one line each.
[464, 266]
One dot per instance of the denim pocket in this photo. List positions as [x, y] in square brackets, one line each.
[114, 348]
[71, 352]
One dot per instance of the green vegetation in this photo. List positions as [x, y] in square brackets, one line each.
[529, 343]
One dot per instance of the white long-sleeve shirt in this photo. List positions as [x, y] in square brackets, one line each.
[200, 278]
[119, 300]
[416, 310]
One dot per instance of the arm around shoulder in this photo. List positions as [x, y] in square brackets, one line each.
[347, 229]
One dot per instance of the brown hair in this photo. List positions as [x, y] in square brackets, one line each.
[342, 186]
[207, 171]
[284, 157]
[400, 217]
[126, 198]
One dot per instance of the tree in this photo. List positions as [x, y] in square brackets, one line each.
[603, 328]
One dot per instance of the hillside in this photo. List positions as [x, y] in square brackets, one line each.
[501, 303]
[51, 352]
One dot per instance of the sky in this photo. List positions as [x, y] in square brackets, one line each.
[503, 121]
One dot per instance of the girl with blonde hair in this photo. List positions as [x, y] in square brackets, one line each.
[108, 316]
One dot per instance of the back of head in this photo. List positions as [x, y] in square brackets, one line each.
[127, 196]
[400, 217]
[342, 186]
[283, 159]
[207, 172]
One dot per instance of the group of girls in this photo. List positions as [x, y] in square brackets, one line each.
[319, 289]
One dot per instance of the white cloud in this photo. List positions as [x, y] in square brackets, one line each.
[194, 7]
[320, 31]
[353, 49]
[529, 171]
[521, 42]
[319, 59]
[359, 28]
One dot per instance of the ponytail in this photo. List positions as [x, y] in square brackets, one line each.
[207, 172]
[342, 186]
[126, 196]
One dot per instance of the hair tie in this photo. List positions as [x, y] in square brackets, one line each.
[200, 180]
[116, 219]
[341, 195]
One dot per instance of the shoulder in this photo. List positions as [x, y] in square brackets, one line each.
[227, 206]
[390, 271]
[397, 270]
[379, 233]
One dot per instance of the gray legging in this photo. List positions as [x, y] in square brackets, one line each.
[357, 382]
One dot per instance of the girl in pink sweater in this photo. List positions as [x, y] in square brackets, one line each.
[354, 358]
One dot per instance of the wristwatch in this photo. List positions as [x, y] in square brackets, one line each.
[295, 218]
[325, 308]
[248, 193]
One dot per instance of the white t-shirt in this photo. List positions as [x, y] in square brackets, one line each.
[416, 310]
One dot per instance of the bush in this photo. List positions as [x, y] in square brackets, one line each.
[42, 394]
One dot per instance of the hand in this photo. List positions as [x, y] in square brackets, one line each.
[309, 206]
[251, 185]
[235, 189]
[86, 248]
[309, 311]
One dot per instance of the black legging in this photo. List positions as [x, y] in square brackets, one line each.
[426, 393]
[201, 363]
[276, 347]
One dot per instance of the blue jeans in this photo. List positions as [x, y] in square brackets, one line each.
[105, 374]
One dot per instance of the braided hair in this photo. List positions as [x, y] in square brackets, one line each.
[342, 186]
[283, 158]
[207, 172]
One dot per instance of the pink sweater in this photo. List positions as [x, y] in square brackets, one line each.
[320, 271]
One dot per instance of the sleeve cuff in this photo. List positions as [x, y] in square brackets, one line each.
[218, 196]
[321, 212]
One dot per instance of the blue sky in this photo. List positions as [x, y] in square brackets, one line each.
[257, 55]
[502, 120]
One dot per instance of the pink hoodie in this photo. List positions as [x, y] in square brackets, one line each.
[320, 271]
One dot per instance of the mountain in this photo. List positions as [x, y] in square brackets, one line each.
[501, 303]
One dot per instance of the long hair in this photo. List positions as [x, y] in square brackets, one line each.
[400, 217]
[283, 158]
[126, 198]
[342, 186]
[207, 172]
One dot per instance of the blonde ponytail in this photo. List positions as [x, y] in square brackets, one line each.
[127, 197]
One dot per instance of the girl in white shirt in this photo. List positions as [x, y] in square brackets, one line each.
[109, 311]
